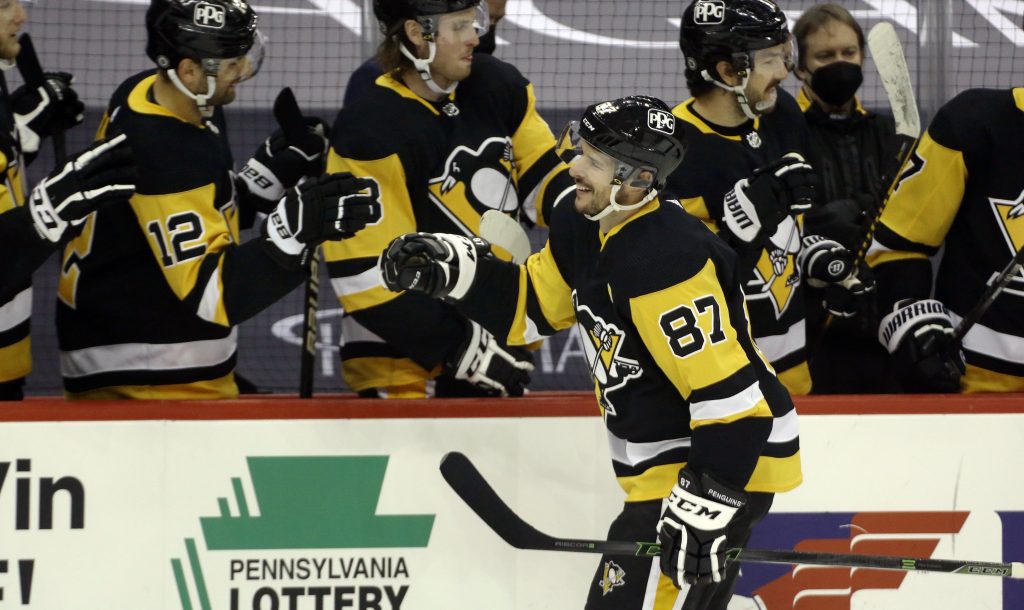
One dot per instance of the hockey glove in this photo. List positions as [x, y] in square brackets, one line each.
[325, 208]
[484, 362]
[926, 356]
[692, 529]
[439, 265]
[40, 111]
[102, 173]
[827, 264]
[754, 207]
[279, 164]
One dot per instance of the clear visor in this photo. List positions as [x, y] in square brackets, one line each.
[774, 59]
[238, 69]
[464, 25]
[569, 149]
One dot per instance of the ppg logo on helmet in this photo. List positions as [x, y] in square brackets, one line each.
[662, 121]
[209, 15]
[709, 12]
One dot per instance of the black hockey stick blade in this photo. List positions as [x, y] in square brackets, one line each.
[288, 115]
[470, 485]
[32, 73]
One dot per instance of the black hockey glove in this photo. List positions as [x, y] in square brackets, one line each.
[692, 529]
[279, 164]
[484, 362]
[919, 336]
[325, 208]
[102, 173]
[40, 111]
[754, 207]
[440, 265]
[827, 264]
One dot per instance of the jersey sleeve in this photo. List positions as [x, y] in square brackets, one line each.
[692, 320]
[697, 340]
[920, 210]
[522, 303]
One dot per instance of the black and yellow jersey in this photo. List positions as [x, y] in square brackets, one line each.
[16, 297]
[963, 191]
[676, 373]
[150, 291]
[716, 158]
[440, 166]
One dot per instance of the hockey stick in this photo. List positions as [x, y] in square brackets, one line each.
[503, 230]
[995, 288]
[887, 53]
[474, 490]
[289, 117]
[32, 72]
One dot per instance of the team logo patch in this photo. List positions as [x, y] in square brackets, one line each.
[602, 347]
[1009, 215]
[662, 121]
[754, 139]
[709, 12]
[613, 576]
[209, 15]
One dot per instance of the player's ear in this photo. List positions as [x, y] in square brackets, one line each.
[414, 32]
[188, 72]
[727, 73]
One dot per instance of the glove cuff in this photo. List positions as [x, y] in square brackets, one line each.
[260, 181]
[49, 225]
[740, 213]
[909, 316]
[288, 251]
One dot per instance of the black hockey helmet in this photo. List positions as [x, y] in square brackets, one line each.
[730, 28]
[392, 13]
[637, 131]
[199, 30]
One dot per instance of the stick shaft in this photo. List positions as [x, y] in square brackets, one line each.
[990, 295]
[476, 492]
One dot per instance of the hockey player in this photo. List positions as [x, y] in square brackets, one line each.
[851, 148]
[747, 142]
[962, 191]
[447, 135]
[363, 77]
[698, 423]
[26, 117]
[151, 291]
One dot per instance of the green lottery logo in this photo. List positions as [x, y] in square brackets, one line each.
[315, 502]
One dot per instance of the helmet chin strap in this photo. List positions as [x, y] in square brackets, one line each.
[7, 64]
[740, 91]
[201, 99]
[614, 206]
[423, 67]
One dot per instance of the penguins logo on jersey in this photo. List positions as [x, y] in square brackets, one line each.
[776, 274]
[1010, 218]
[613, 576]
[480, 177]
[602, 347]
[915, 164]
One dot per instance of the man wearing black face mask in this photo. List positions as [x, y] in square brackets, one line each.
[849, 147]
[362, 78]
